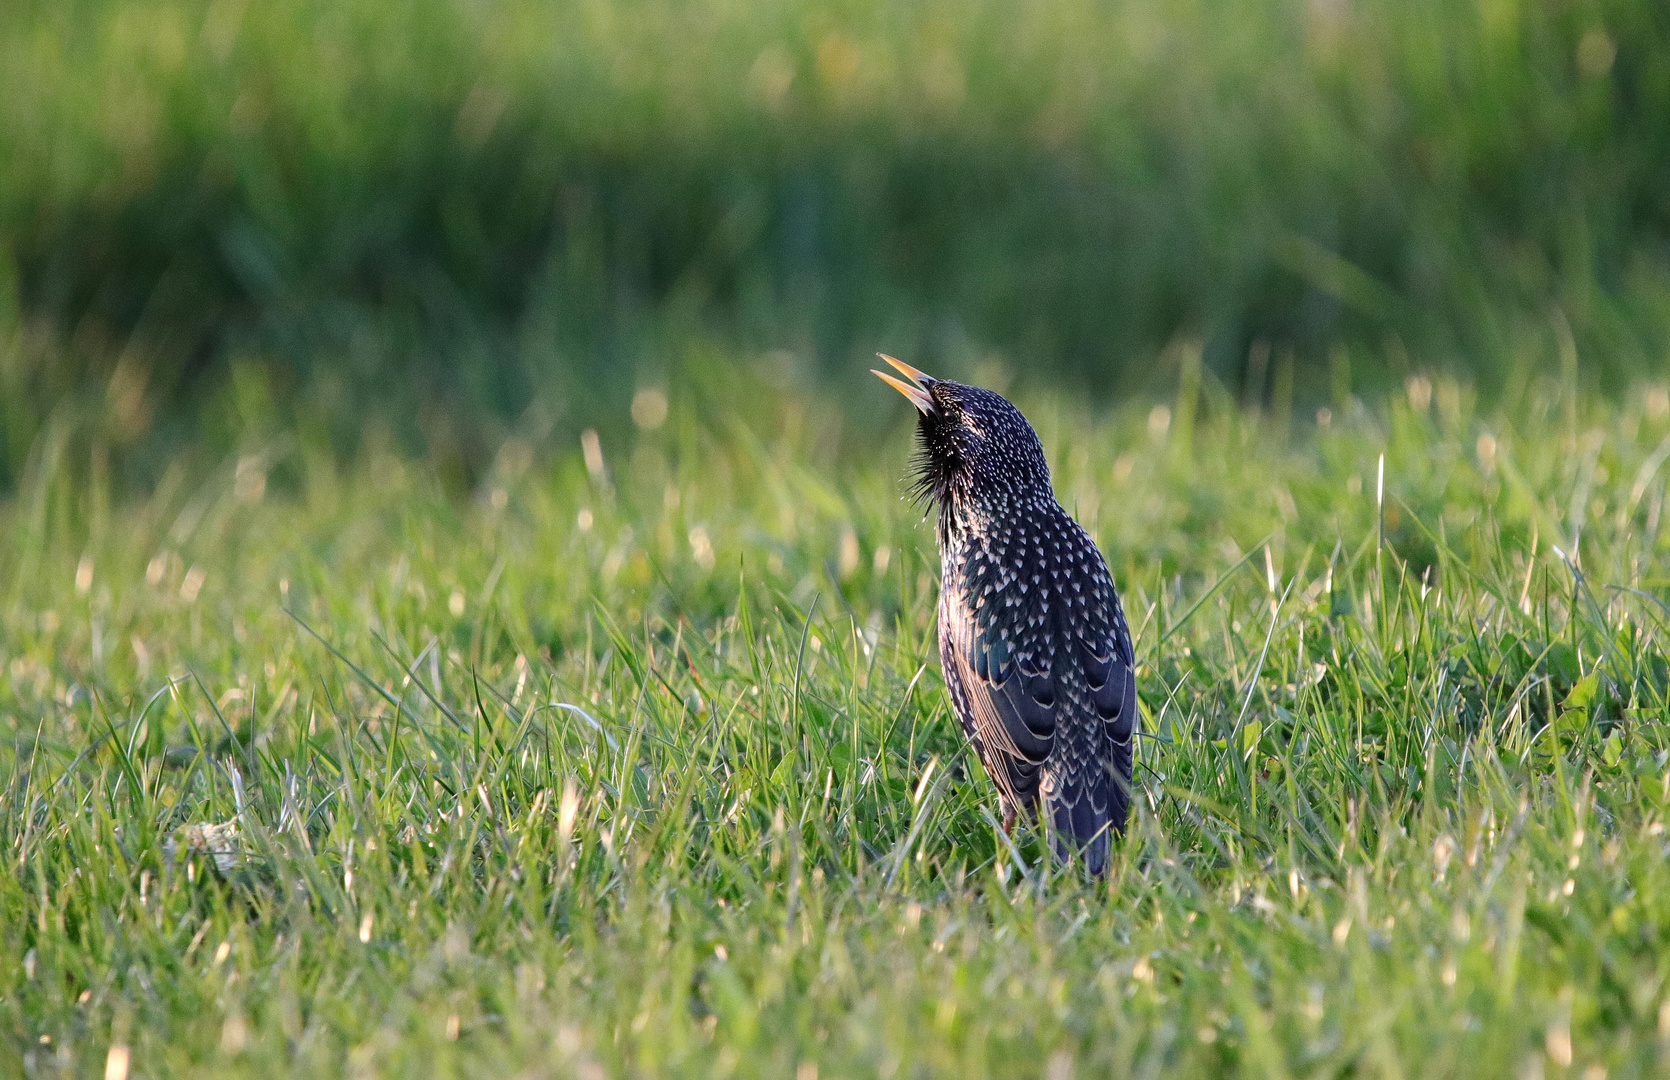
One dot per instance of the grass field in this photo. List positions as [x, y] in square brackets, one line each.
[638, 763]
[437, 210]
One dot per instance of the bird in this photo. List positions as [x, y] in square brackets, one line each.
[1034, 645]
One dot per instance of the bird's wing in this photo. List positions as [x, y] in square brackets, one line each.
[1088, 791]
[1109, 662]
[1109, 665]
[1009, 714]
[1036, 636]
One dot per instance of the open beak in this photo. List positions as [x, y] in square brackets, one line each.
[915, 390]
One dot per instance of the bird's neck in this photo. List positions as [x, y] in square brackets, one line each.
[969, 513]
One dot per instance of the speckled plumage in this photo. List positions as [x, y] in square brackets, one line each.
[1034, 644]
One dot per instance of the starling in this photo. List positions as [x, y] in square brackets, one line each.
[1035, 648]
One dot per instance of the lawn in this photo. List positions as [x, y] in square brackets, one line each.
[638, 762]
[437, 210]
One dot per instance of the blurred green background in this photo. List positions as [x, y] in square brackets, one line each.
[451, 221]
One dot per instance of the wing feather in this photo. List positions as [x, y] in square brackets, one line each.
[1011, 720]
[1041, 674]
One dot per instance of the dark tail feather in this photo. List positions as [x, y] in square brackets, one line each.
[1085, 817]
[1119, 787]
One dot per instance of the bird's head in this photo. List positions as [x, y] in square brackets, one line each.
[977, 449]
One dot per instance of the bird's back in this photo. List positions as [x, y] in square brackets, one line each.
[1038, 660]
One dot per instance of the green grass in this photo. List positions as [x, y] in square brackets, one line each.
[643, 767]
[444, 208]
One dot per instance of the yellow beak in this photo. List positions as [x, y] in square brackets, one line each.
[917, 394]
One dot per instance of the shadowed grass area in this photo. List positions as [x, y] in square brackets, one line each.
[440, 210]
[639, 763]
